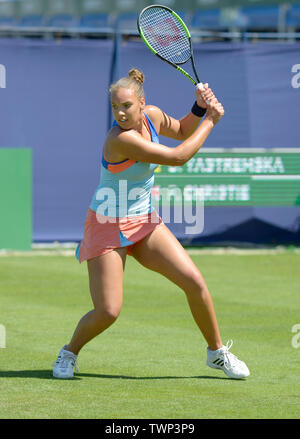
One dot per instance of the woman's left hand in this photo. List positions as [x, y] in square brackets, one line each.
[202, 97]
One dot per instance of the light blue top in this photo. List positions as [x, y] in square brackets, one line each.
[127, 192]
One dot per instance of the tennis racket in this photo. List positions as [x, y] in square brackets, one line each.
[167, 36]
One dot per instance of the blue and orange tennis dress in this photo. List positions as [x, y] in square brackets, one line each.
[121, 212]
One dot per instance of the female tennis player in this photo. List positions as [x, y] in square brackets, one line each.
[121, 219]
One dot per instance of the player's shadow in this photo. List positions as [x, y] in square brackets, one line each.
[47, 375]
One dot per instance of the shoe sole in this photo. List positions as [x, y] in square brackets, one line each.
[62, 377]
[213, 366]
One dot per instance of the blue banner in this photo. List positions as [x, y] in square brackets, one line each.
[54, 99]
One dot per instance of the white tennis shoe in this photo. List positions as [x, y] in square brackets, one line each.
[65, 364]
[229, 363]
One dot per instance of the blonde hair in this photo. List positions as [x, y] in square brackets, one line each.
[134, 80]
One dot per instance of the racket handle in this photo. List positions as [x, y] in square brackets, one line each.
[200, 86]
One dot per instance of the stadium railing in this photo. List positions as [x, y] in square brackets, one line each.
[81, 18]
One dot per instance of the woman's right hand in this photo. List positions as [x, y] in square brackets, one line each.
[214, 111]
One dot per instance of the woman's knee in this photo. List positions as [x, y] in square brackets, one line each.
[108, 313]
[195, 284]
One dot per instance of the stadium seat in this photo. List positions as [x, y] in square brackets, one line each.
[95, 20]
[293, 17]
[31, 21]
[62, 13]
[260, 17]
[31, 13]
[7, 13]
[207, 19]
[62, 20]
[6, 21]
[184, 15]
[126, 22]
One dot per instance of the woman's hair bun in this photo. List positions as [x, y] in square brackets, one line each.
[137, 75]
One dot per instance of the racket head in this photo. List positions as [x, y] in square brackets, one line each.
[165, 34]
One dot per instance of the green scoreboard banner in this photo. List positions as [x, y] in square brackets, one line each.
[238, 177]
[15, 198]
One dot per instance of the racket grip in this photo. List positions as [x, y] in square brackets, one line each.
[200, 86]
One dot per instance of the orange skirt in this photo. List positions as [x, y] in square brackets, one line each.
[103, 234]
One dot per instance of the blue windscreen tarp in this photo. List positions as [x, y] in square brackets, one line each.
[55, 101]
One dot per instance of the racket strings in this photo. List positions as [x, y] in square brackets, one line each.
[165, 34]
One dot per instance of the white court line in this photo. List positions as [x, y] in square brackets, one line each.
[275, 177]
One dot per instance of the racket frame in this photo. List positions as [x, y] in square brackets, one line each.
[175, 65]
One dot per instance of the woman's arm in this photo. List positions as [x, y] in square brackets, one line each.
[130, 144]
[183, 128]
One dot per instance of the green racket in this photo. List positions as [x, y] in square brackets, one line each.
[167, 36]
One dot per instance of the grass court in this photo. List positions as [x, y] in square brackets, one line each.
[151, 362]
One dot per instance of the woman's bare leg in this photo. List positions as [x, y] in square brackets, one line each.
[106, 287]
[161, 252]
